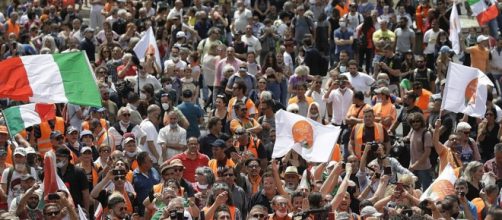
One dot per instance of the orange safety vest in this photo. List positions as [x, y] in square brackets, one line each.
[213, 164]
[253, 147]
[44, 142]
[85, 124]
[12, 28]
[94, 174]
[358, 136]
[384, 110]
[101, 139]
[9, 158]
[231, 208]
[480, 205]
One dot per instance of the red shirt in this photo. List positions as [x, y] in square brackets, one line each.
[130, 72]
[191, 165]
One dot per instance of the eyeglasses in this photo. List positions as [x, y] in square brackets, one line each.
[117, 178]
[126, 114]
[55, 213]
[282, 204]
[228, 174]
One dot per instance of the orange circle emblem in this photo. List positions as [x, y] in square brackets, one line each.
[442, 188]
[303, 133]
[470, 91]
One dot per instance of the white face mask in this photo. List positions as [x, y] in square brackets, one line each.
[314, 115]
[165, 106]
[173, 126]
[202, 186]
[20, 167]
[131, 154]
[142, 96]
[125, 124]
[281, 214]
[168, 87]
[343, 69]
[61, 164]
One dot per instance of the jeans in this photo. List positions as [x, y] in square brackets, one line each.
[424, 178]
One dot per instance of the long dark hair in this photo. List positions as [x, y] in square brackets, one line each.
[367, 24]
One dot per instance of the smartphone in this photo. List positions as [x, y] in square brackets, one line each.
[344, 165]
[377, 175]
[118, 172]
[399, 187]
[387, 171]
[53, 196]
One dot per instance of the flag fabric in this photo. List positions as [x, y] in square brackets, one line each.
[484, 12]
[442, 186]
[466, 90]
[147, 44]
[23, 116]
[310, 139]
[98, 214]
[50, 78]
[52, 182]
[455, 30]
[81, 213]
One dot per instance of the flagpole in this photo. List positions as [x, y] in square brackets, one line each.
[10, 136]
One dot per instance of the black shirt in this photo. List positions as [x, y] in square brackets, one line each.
[394, 63]
[205, 144]
[259, 198]
[75, 179]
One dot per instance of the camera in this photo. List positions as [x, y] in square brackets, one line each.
[118, 172]
[53, 196]
[173, 214]
[374, 145]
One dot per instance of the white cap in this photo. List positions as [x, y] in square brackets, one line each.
[482, 38]
[181, 34]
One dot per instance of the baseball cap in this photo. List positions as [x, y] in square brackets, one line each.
[84, 149]
[72, 129]
[30, 150]
[88, 30]
[383, 90]
[85, 132]
[181, 34]
[3, 129]
[291, 170]
[55, 134]
[128, 139]
[370, 211]
[445, 49]
[20, 151]
[482, 38]
[219, 143]
[187, 93]
[95, 109]
[176, 163]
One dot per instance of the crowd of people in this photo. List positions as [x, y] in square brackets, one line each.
[190, 134]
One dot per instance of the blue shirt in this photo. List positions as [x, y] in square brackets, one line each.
[143, 184]
[343, 35]
[192, 112]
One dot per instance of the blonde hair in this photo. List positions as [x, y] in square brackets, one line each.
[302, 70]
[470, 169]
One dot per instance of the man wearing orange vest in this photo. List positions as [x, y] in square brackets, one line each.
[95, 113]
[220, 158]
[11, 26]
[246, 142]
[385, 111]
[99, 132]
[365, 132]
[43, 132]
[424, 97]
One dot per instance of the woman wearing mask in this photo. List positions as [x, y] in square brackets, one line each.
[167, 105]
[204, 181]
[313, 112]
[130, 150]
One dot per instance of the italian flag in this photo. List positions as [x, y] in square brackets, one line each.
[50, 78]
[23, 116]
[483, 11]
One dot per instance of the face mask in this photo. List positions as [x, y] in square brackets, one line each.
[168, 87]
[202, 186]
[173, 126]
[442, 40]
[314, 115]
[125, 124]
[343, 69]
[131, 154]
[142, 96]
[281, 214]
[165, 106]
[19, 167]
[61, 164]
[342, 89]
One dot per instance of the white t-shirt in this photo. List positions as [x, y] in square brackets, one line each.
[430, 38]
[253, 43]
[116, 137]
[361, 82]
[143, 81]
[340, 104]
[15, 183]
[151, 135]
[241, 19]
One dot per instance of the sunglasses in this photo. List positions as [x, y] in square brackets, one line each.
[52, 213]
[228, 174]
[126, 114]
[117, 178]
[260, 216]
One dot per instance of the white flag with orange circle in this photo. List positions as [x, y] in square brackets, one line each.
[466, 90]
[310, 139]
